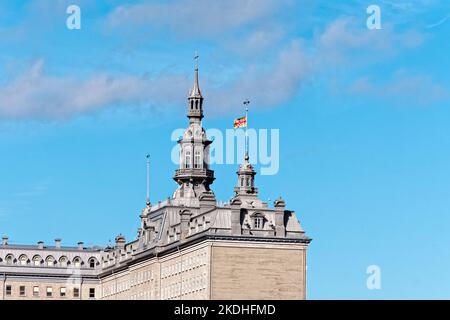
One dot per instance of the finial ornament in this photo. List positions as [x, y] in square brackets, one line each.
[196, 57]
[246, 103]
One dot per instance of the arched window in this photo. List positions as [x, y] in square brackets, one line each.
[77, 262]
[92, 262]
[242, 181]
[63, 261]
[50, 261]
[188, 159]
[9, 259]
[23, 260]
[196, 104]
[37, 261]
[197, 159]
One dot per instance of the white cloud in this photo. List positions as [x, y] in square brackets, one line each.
[344, 45]
[36, 95]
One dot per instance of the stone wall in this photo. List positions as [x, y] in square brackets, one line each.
[258, 271]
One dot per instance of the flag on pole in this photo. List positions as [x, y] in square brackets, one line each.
[240, 122]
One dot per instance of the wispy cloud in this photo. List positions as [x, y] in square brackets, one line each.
[343, 45]
[438, 23]
[37, 95]
[193, 17]
[403, 88]
[345, 39]
[266, 86]
[269, 79]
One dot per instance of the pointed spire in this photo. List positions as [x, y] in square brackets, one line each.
[195, 106]
[195, 91]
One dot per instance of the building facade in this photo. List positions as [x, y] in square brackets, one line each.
[189, 246]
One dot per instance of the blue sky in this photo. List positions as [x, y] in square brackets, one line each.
[363, 118]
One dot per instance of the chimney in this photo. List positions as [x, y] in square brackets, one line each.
[120, 241]
[58, 243]
[5, 240]
[80, 245]
[41, 245]
[280, 228]
[185, 218]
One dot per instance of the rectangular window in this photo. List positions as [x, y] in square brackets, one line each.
[258, 223]
[22, 291]
[76, 292]
[8, 290]
[91, 293]
[36, 291]
[62, 292]
[197, 160]
[49, 291]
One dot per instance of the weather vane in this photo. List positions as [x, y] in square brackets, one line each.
[196, 59]
[246, 103]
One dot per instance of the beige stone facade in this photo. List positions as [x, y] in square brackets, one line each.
[218, 270]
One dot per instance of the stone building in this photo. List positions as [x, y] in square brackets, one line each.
[188, 247]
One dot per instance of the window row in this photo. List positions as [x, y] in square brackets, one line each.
[49, 261]
[36, 292]
[198, 163]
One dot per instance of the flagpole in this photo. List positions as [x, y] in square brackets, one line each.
[246, 134]
[246, 103]
[148, 180]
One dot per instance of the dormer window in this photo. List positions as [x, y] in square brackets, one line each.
[50, 261]
[23, 260]
[9, 259]
[77, 262]
[257, 221]
[37, 261]
[63, 262]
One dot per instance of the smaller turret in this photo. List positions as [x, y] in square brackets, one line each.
[246, 179]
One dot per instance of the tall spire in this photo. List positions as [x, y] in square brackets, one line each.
[195, 91]
[194, 176]
[195, 107]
